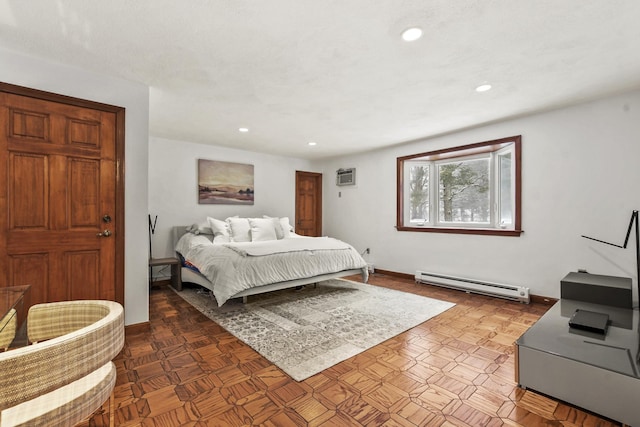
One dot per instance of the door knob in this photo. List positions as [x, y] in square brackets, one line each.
[105, 233]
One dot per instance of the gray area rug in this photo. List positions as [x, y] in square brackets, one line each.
[306, 331]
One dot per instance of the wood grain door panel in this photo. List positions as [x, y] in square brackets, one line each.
[28, 188]
[83, 193]
[61, 182]
[83, 270]
[30, 269]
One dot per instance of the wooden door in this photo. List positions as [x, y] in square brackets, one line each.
[308, 203]
[60, 211]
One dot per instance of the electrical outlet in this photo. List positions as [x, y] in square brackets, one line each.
[367, 251]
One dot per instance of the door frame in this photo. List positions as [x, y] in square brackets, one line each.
[120, 143]
[318, 187]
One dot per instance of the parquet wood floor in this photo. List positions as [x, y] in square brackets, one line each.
[456, 369]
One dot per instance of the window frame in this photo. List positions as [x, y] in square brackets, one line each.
[493, 147]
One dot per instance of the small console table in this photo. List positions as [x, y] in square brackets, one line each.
[600, 373]
[176, 278]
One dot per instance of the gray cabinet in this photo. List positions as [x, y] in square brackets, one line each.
[596, 372]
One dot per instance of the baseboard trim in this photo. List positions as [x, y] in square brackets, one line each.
[535, 299]
[395, 274]
[539, 299]
[137, 328]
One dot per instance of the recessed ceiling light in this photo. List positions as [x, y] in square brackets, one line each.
[243, 129]
[483, 87]
[411, 34]
[311, 143]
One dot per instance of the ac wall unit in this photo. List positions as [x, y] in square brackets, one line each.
[346, 176]
[514, 293]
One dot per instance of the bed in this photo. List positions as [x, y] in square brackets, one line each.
[252, 263]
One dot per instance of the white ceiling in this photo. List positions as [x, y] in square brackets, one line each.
[336, 71]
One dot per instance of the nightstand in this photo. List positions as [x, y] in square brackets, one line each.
[176, 278]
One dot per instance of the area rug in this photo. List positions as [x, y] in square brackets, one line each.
[306, 331]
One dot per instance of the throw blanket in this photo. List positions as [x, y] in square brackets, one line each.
[287, 245]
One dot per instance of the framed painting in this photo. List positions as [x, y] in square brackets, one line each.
[224, 183]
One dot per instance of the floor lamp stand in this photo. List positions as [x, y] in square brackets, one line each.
[632, 222]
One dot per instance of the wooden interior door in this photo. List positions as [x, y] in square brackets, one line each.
[308, 203]
[60, 211]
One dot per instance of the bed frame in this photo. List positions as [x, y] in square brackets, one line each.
[191, 276]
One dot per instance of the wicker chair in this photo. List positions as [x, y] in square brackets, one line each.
[68, 373]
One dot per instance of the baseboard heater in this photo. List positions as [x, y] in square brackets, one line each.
[514, 293]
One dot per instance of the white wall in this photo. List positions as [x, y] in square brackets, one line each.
[173, 186]
[580, 175]
[27, 71]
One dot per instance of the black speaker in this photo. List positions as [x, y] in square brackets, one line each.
[597, 289]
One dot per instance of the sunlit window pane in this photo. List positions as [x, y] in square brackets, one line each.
[506, 199]
[464, 191]
[419, 193]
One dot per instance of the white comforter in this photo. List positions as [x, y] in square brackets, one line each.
[234, 267]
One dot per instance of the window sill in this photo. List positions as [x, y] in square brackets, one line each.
[455, 230]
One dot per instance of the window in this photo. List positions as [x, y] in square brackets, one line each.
[470, 189]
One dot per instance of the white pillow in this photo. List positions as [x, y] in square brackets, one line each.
[287, 229]
[220, 230]
[276, 225]
[240, 229]
[262, 229]
[283, 228]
